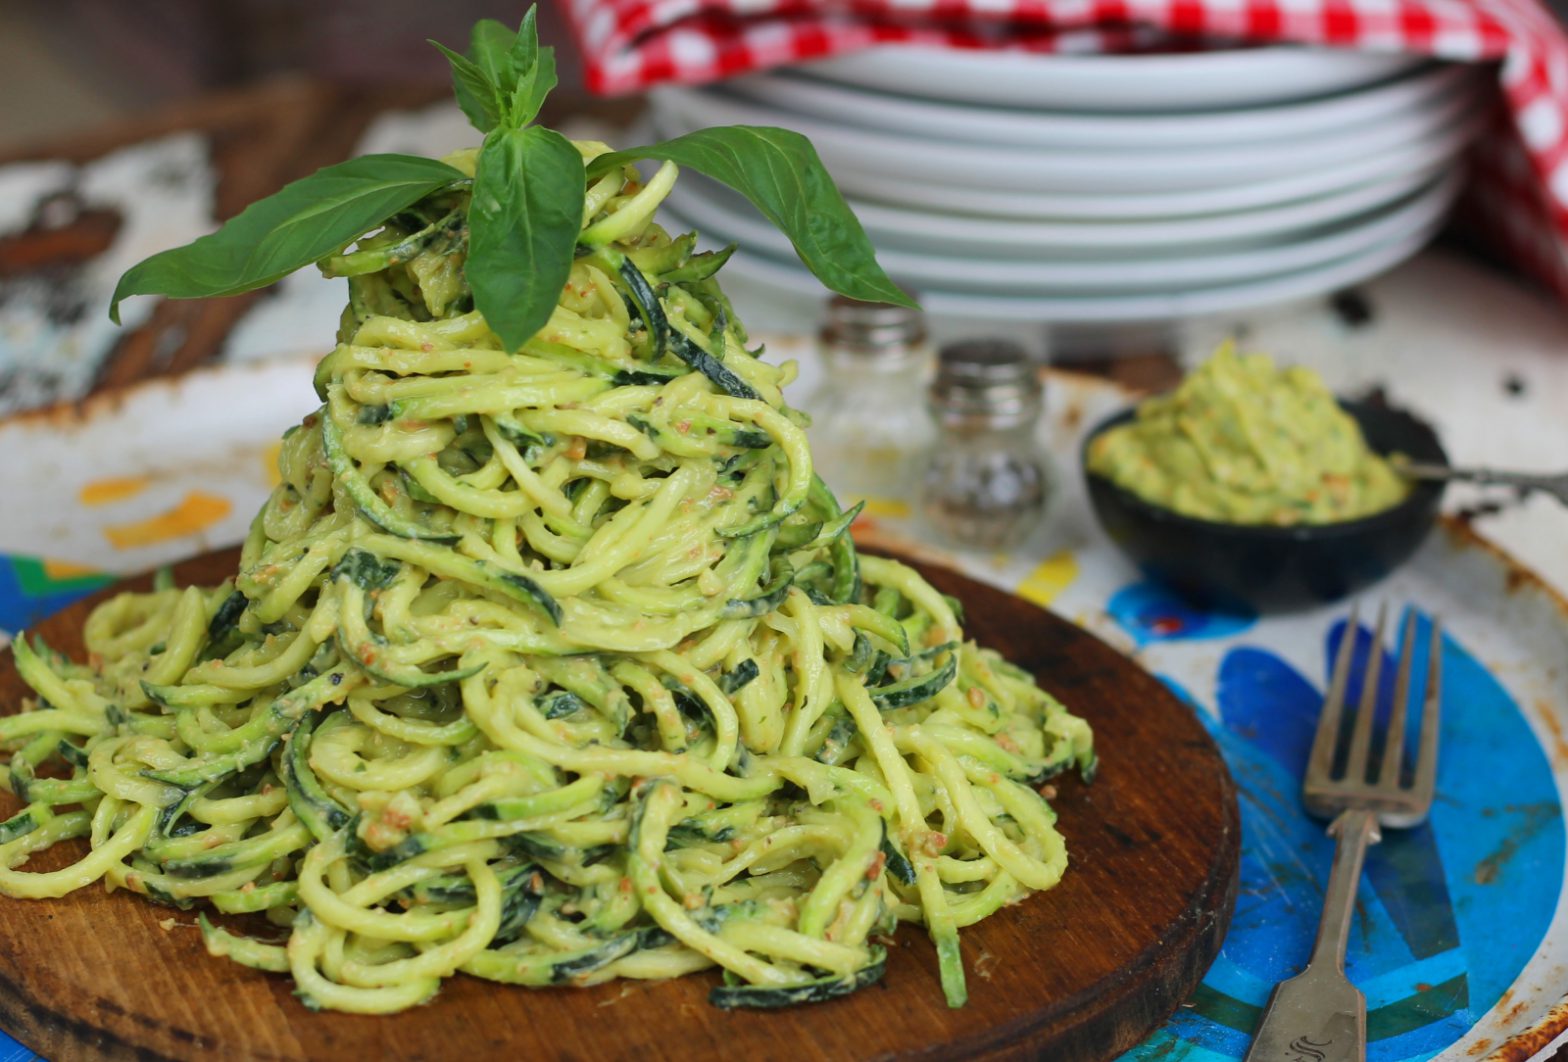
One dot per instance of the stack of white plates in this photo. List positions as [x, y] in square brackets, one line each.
[1105, 188]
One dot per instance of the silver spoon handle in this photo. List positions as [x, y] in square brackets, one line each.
[1555, 485]
[1318, 1015]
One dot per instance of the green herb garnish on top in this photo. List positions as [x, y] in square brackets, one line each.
[523, 216]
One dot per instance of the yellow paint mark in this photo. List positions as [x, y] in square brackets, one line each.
[270, 460]
[196, 512]
[112, 489]
[65, 570]
[886, 507]
[1049, 578]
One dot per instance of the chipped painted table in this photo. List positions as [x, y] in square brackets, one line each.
[1458, 942]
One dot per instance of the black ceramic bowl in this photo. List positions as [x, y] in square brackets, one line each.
[1267, 567]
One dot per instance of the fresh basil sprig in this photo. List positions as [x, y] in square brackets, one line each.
[525, 210]
[505, 76]
[527, 206]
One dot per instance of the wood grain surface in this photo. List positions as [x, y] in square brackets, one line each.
[1083, 971]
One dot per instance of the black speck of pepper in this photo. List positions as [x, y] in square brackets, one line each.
[1514, 386]
[337, 678]
[1352, 307]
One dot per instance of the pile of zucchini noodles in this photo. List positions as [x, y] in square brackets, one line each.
[548, 667]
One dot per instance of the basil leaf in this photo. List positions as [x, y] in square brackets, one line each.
[523, 222]
[530, 92]
[519, 74]
[535, 68]
[305, 221]
[780, 172]
[500, 53]
[476, 94]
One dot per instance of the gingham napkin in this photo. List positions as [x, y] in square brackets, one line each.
[1519, 195]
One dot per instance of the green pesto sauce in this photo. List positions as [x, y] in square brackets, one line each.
[1243, 442]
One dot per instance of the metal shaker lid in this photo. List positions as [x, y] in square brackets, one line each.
[872, 328]
[993, 380]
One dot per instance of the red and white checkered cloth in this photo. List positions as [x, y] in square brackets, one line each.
[1520, 191]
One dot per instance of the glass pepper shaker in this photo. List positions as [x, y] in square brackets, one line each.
[987, 480]
[869, 431]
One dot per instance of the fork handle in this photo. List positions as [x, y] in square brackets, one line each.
[1318, 1015]
[1553, 484]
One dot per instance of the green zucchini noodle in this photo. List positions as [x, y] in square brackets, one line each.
[549, 667]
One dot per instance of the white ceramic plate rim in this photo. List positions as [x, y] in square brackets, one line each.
[1188, 81]
[1116, 308]
[936, 119]
[720, 219]
[1033, 169]
[898, 226]
[1411, 158]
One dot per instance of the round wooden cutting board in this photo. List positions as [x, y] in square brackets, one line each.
[1083, 971]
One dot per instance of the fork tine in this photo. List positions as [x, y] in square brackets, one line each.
[1431, 715]
[1321, 762]
[1394, 741]
[1361, 738]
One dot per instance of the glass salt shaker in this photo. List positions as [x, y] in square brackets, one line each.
[987, 480]
[869, 430]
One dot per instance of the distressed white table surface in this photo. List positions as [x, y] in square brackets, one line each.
[1483, 359]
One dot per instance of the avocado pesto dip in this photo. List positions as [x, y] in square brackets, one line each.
[1241, 441]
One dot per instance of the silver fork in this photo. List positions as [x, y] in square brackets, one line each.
[1555, 484]
[1318, 1015]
